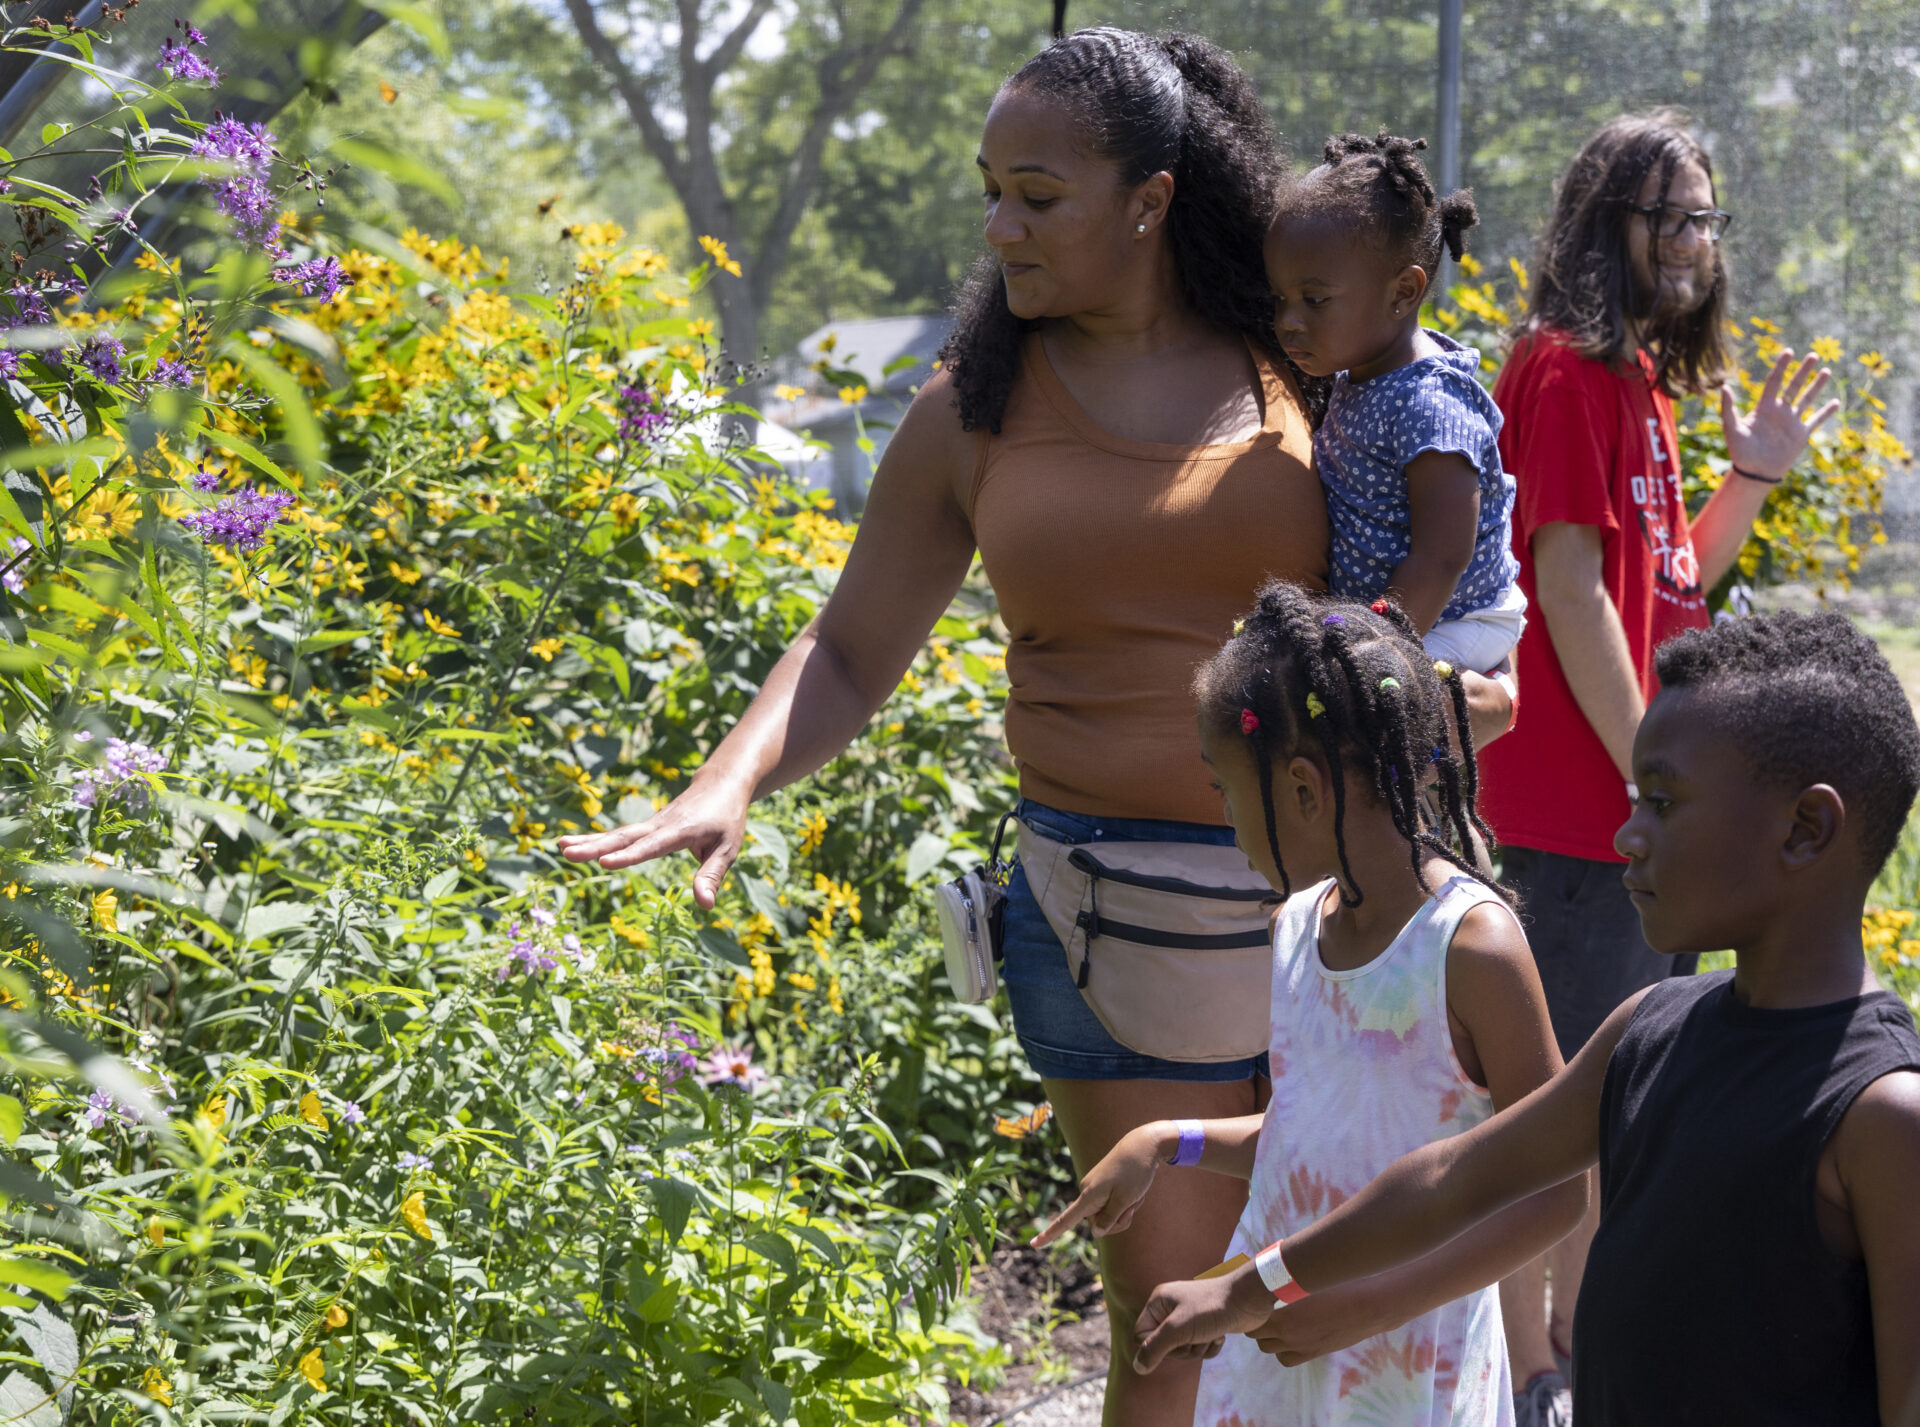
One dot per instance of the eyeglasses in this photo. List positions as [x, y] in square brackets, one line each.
[1710, 224]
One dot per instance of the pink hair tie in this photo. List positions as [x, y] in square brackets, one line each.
[1378, 606]
[1249, 722]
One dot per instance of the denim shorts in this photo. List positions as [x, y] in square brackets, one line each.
[1063, 1039]
[1586, 940]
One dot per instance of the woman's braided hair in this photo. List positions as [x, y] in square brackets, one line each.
[1149, 104]
[1380, 185]
[1352, 682]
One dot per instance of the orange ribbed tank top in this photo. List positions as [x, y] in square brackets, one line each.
[1120, 567]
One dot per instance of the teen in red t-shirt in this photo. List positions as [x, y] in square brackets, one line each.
[1628, 308]
[1590, 445]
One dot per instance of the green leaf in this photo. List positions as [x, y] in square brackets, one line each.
[771, 843]
[765, 900]
[720, 944]
[12, 1117]
[928, 851]
[440, 884]
[251, 454]
[297, 424]
[35, 1274]
[673, 1201]
[23, 1402]
[273, 918]
[329, 638]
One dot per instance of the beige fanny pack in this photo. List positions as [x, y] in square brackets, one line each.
[1169, 942]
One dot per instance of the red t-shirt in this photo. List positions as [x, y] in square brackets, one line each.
[1590, 444]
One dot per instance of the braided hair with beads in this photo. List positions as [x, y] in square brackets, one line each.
[1308, 672]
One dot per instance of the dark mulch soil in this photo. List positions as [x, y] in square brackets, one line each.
[1048, 1310]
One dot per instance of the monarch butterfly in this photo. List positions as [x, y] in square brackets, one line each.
[387, 92]
[1018, 1127]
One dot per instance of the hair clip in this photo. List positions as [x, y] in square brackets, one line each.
[1239, 626]
[1249, 722]
[1334, 619]
[1389, 682]
[1315, 709]
[1379, 607]
[1440, 755]
[1443, 668]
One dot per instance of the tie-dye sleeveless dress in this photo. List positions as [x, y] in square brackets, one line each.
[1363, 1071]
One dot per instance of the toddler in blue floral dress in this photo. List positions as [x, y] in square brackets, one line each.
[1408, 451]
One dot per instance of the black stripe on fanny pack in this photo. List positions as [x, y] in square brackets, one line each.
[1093, 867]
[1095, 925]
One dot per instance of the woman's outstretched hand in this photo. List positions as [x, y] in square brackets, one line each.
[709, 820]
[1115, 1187]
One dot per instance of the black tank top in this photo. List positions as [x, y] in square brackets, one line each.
[1709, 1295]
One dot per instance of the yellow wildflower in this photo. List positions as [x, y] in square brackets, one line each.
[717, 250]
[336, 1316]
[854, 393]
[439, 626]
[1469, 265]
[700, 327]
[627, 931]
[312, 1112]
[214, 1112]
[833, 997]
[547, 648]
[156, 1231]
[414, 1210]
[813, 831]
[402, 574]
[1876, 365]
[789, 393]
[158, 1386]
[1827, 349]
[314, 1369]
[247, 666]
[106, 910]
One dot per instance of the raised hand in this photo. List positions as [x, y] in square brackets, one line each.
[709, 820]
[1191, 1318]
[1114, 1188]
[1767, 440]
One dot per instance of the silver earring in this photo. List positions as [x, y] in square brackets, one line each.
[1139, 227]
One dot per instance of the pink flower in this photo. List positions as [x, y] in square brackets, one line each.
[733, 1065]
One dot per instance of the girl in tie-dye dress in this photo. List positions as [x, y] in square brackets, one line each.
[1405, 1009]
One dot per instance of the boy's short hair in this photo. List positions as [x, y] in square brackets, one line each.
[1809, 699]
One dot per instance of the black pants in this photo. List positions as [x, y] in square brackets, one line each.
[1586, 939]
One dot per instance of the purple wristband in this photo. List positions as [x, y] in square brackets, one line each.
[1193, 1139]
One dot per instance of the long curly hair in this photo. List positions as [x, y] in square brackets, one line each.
[1583, 280]
[1148, 104]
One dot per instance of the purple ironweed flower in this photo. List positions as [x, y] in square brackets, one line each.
[179, 62]
[205, 481]
[353, 1114]
[6, 185]
[239, 522]
[542, 917]
[126, 764]
[733, 1066]
[244, 197]
[14, 579]
[102, 356]
[30, 307]
[410, 1161]
[168, 372]
[642, 415]
[250, 146]
[323, 278]
[9, 363]
[190, 34]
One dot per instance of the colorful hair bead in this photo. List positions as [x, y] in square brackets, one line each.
[1379, 607]
[1239, 627]
[1249, 722]
[1334, 619]
[1389, 682]
[1315, 709]
[1443, 668]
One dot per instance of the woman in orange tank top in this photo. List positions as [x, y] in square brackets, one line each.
[1116, 434]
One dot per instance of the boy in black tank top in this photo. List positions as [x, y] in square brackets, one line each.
[1757, 1131]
